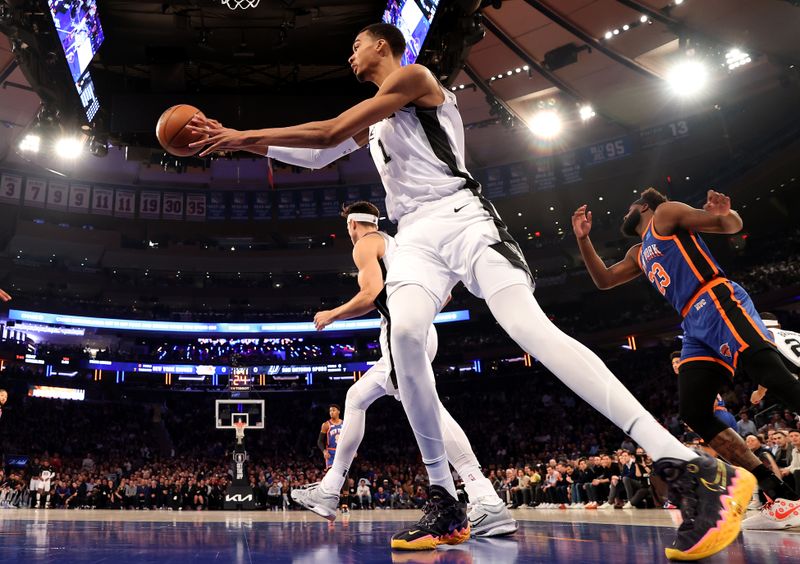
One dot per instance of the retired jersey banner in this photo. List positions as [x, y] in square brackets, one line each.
[102, 201]
[125, 203]
[195, 207]
[35, 192]
[80, 197]
[240, 207]
[173, 205]
[10, 189]
[149, 205]
[57, 195]
[215, 206]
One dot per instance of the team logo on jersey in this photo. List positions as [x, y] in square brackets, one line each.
[725, 350]
[699, 305]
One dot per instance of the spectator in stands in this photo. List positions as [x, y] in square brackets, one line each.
[792, 472]
[363, 494]
[783, 450]
[745, 426]
[382, 499]
[521, 493]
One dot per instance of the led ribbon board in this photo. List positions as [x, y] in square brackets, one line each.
[211, 328]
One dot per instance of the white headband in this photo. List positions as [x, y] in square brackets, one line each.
[771, 324]
[365, 217]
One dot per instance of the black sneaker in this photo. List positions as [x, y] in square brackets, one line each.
[712, 497]
[444, 521]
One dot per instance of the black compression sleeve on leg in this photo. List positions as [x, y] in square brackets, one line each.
[766, 367]
[698, 385]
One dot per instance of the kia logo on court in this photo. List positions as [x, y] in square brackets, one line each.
[239, 498]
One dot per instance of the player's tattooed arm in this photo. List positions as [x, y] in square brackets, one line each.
[715, 217]
[604, 277]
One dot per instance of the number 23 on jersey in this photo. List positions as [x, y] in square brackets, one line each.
[659, 277]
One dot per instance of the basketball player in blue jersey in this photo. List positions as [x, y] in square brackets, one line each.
[373, 253]
[721, 329]
[448, 232]
[329, 435]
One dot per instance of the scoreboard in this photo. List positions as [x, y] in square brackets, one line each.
[241, 379]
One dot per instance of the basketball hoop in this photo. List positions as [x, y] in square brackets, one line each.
[241, 4]
[239, 427]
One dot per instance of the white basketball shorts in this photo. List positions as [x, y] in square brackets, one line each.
[458, 238]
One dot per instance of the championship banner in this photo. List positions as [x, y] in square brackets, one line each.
[287, 205]
[35, 192]
[57, 195]
[79, 198]
[125, 203]
[195, 207]
[262, 206]
[330, 206]
[149, 205]
[215, 206]
[10, 189]
[173, 205]
[102, 201]
[240, 207]
[307, 206]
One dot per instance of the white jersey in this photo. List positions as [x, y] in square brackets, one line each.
[419, 154]
[788, 343]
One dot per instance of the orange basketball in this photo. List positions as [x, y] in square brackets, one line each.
[172, 133]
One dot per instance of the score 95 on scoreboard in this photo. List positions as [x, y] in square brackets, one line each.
[241, 380]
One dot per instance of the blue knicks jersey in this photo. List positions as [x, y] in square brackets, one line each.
[333, 434]
[677, 266]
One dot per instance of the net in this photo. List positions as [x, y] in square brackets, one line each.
[241, 4]
[239, 427]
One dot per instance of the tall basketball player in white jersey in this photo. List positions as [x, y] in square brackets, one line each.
[447, 232]
[373, 252]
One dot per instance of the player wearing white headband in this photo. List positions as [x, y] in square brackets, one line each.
[372, 253]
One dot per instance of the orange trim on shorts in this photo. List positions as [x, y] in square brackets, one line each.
[702, 290]
[744, 311]
[708, 359]
[728, 322]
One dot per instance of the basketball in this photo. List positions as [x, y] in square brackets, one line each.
[172, 133]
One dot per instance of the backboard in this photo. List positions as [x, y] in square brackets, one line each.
[228, 412]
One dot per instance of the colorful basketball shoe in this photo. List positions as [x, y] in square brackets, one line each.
[712, 497]
[778, 514]
[444, 521]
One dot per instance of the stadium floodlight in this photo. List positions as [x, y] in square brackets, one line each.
[69, 147]
[688, 78]
[736, 58]
[586, 112]
[545, 124]
[30, 143]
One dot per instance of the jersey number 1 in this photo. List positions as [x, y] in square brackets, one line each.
[386, 158]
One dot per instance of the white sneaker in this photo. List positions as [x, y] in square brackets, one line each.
[489, 517]
[605, 505]
[312, 497]
[780, 514]
[627, 505]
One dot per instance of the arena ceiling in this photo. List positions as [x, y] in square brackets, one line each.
[286, 60]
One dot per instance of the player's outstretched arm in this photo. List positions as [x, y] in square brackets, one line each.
[366, 254]
[604, 277]
[715, 217]
[400, 88]
[4, 295]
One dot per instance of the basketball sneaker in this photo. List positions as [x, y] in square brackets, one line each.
[312, 497]
[444, 521]
[712, 497]
[778, 514]
[489, 517]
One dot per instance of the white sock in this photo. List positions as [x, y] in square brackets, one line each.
[461, 456]
[412, 310]
[581, 370]
[359, 397]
